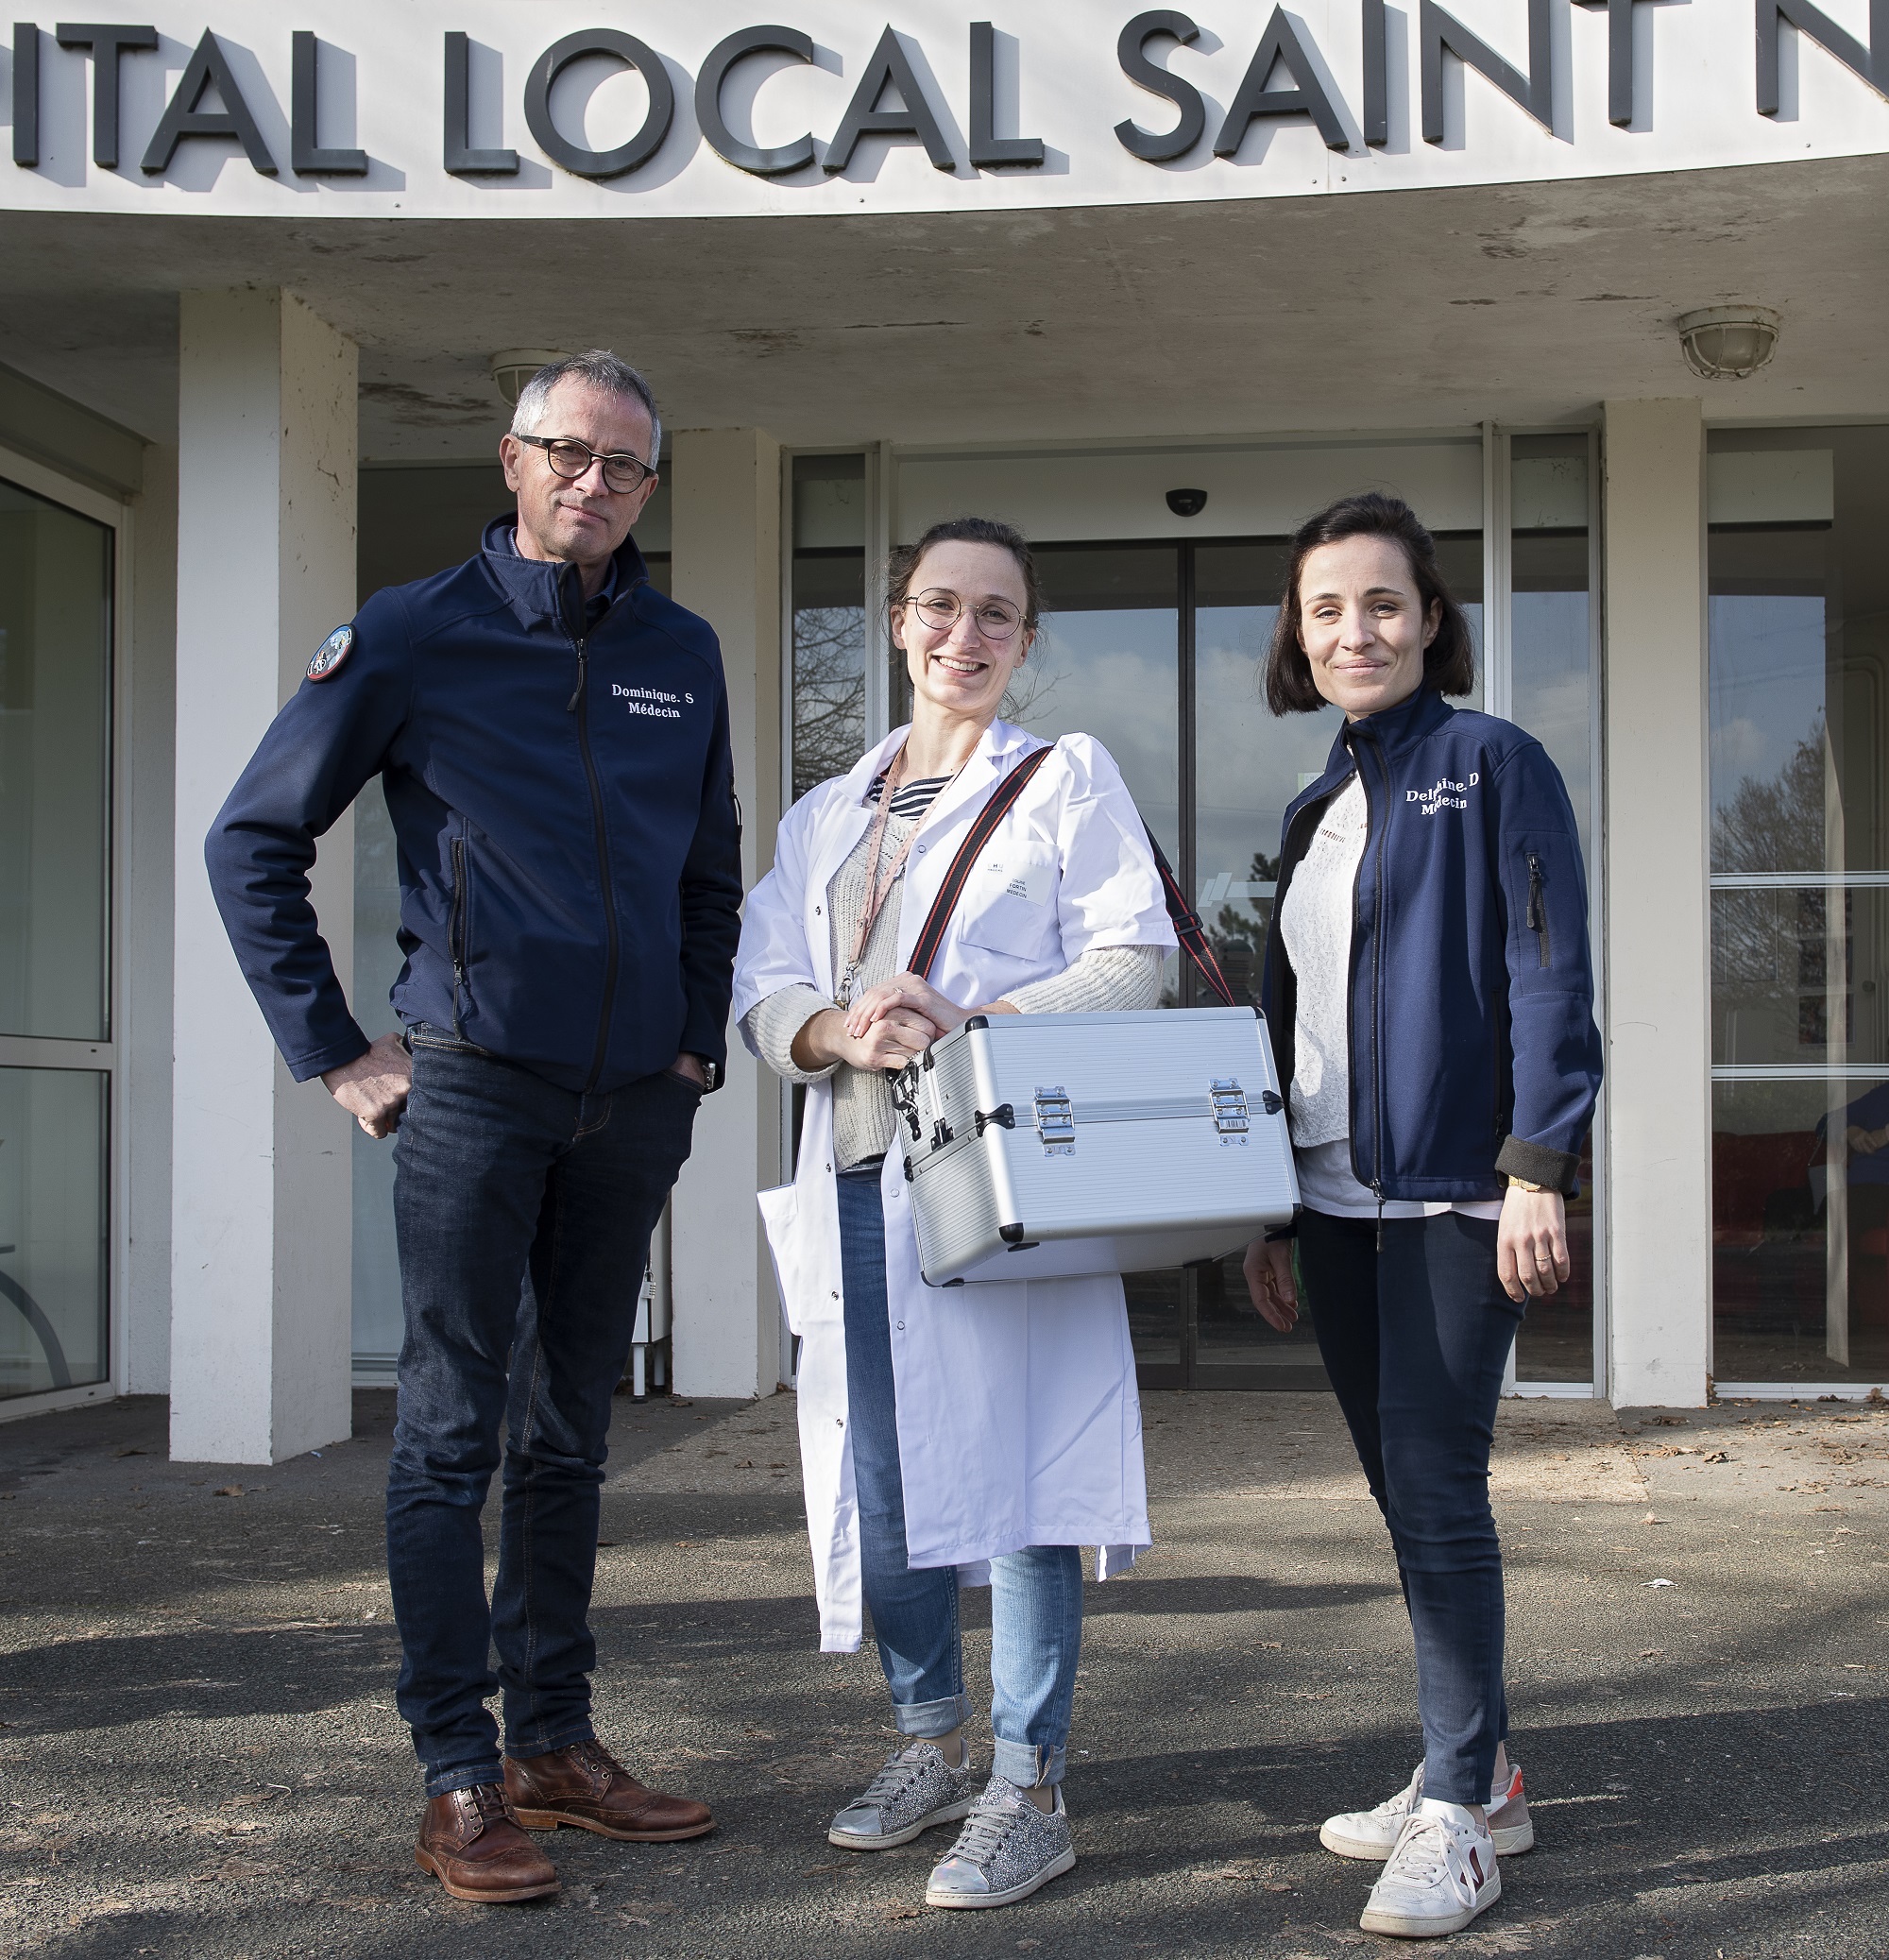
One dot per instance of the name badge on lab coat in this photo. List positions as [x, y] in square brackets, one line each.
[1026, 874]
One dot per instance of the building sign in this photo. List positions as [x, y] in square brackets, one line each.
[492, 110]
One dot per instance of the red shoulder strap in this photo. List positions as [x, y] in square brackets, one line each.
[1188, 928]
[930, 940]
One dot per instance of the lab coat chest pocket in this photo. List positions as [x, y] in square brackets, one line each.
[1009, 900]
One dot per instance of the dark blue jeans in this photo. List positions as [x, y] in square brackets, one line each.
[523, 1214]
[1415, 1340]
[1036, 1593]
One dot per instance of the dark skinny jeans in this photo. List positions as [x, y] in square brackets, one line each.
[1415, 1340]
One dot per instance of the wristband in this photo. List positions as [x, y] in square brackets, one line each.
[1522, 1184]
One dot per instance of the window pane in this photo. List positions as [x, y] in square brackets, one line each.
[1551, 695]
[1107, 663]
[829, 665]
[1248, 764]
[1798, 620]
[829, 680]
[55, 690]
[53, 1260]
[1800, 1230]
[1551, 659]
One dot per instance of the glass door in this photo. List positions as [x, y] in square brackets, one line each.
[1107, 662]
[56, 631]
[1156, 648]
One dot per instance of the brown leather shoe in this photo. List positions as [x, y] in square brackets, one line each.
[471, 1843]
[586, 1786]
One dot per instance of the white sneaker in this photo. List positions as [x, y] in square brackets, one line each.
[1372, 1833]
[1442, 1873]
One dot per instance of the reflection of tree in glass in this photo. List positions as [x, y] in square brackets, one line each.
[1776, 823]
[1775, 940]
[1237, 933]
[829, 692]
[1029, 693]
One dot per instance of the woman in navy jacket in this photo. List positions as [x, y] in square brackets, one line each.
[1430, 998]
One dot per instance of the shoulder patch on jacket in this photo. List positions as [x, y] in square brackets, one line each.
[330, 653]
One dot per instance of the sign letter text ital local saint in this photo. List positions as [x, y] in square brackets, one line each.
[348, 108]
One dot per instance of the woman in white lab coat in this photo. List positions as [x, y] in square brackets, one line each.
[987, 1432]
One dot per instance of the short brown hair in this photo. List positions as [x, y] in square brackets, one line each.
[1449, 661]
[904, 558]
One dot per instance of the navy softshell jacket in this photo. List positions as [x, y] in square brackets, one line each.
[562, 795]
[1473, 1051]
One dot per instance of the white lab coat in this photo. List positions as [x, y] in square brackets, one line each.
[1018, 1420]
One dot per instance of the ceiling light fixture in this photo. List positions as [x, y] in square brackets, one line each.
[512, 367]
[1727, 342]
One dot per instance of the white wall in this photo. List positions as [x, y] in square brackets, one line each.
[1657, 942]
[726, 567]
[261, 1202]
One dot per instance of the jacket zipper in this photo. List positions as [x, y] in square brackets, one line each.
[1351, 995]
[455, 931]
[1291, 854]
[1538, 912]
[579, 705]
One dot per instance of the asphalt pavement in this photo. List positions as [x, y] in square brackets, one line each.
[199, 1756]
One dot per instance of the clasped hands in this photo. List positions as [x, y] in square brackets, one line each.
[885, 1026]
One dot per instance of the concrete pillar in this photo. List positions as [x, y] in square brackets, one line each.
[726, 567]
[147, 751]
[1658, 938]
[261, 1204]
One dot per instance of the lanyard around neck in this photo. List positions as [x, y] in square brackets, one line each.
[877, 892]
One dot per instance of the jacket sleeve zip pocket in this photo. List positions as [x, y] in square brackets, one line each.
[1538, 910]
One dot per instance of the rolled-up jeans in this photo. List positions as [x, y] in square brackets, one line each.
[1036, 1594]
[524, 1215]
[1414, 1338]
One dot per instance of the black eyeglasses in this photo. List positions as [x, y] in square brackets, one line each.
[572, 459]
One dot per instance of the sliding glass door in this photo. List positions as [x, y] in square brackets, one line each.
[56, 628]
[1157, 649]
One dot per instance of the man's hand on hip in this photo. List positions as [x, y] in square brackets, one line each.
[373, 1087]
[693, 1067]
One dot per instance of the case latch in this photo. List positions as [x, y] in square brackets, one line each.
[1231, 1117]
[1055, 1122]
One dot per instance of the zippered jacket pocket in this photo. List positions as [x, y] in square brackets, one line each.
[1536, 919]
[459, 928]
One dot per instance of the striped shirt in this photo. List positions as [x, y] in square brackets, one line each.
[910, 800]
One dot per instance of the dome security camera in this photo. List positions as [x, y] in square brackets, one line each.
[1186, 503]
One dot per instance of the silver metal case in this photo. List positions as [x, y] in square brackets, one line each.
[1043, 1145]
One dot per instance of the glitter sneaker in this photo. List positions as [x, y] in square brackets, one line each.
[916, 1789]
[1442, 1873]
[1007, 1848]
[1372, 1834]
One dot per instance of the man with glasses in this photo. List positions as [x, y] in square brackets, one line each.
[552, 736]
